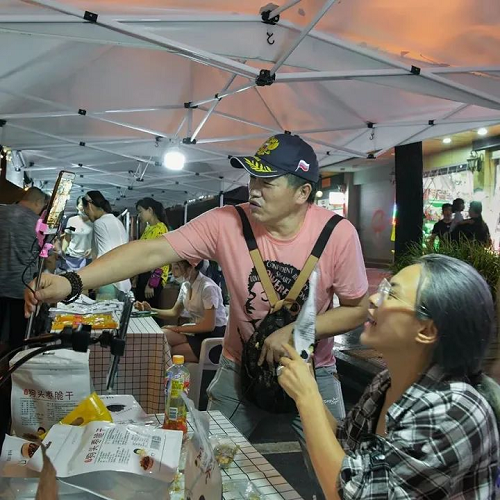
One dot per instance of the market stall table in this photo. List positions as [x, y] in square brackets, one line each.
[248, 464]
[141, 371]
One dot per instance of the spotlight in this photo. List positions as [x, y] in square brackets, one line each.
[482, 131]
[447, 140]
[174, 159]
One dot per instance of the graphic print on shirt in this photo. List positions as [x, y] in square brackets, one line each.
[282, 276]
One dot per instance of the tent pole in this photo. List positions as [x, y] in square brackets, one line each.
[73, 141]
[285, 6]
[482, 98]
[301, 36]
[427, 127]
[184, 50]
[185, 212]
[269, 110]
[218, 97]
[244, 121]
[320, 76]
[89, 114]
[233, 138]
[212, 108]
[352, 152]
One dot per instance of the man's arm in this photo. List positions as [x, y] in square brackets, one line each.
[351, 314]
[121, 263]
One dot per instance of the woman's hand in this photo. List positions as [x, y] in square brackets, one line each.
[142, 306]
[149, 292]
[296, 376]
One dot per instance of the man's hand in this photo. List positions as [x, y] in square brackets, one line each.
[272, 350]
[149, 292]
[52, 288]
[87, 253]
[296, 376]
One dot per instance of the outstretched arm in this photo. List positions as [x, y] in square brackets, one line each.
[119, 264]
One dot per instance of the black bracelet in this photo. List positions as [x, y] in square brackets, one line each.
[76, 287]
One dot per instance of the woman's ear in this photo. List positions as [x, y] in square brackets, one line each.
[428, 333]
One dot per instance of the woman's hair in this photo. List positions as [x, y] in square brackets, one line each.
[459, 302]
[457, 202]
[98, 200]
[456, 297]
[154, 205]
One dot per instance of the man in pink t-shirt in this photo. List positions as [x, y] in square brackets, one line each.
[283, 178]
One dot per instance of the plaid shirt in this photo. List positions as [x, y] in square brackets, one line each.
[442, 442]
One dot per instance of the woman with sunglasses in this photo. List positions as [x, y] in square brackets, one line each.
[427, 426]
[109, 233]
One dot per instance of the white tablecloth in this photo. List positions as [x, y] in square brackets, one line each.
[141, 371]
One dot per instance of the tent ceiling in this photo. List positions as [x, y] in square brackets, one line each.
[93, 97]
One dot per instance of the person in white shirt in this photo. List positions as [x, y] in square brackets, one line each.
[109, 233]
[77, 241]
[202, 299]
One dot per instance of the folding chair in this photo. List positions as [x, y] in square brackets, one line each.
[211, 350]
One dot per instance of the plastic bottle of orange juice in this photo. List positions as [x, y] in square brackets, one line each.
[176, 382]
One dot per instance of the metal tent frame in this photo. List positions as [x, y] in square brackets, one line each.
[104, 93]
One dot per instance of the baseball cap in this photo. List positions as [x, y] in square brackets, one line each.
[281, 154]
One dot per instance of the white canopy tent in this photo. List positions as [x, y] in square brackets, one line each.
[103, 87]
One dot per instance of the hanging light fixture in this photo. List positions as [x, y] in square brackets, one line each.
[174, 159]
[475, 161]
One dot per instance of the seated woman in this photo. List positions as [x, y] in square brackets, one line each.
[201, 298]
[426, 427]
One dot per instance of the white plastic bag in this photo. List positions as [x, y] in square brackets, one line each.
[46, 388]
[304, 331]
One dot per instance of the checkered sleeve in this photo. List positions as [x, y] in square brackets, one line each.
[440, 442]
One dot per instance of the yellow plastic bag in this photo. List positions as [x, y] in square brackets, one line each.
[90, 409]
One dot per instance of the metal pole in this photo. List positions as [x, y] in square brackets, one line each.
[185, 212]
[234, 138]
[241, 120]
[320, 76]
[285, 6]
[217, 97]
[194, 53]
[212, 107]
[221, 199]
[428, 126]
[302, 35]
[37, 286]
[482, 98]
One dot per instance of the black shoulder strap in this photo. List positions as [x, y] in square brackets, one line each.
[312, 260]
[306, 271]
[247, 229]
[323, 238]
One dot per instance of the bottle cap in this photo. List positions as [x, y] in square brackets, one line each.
[178, 359]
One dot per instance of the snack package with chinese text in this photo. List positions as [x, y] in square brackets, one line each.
[46, 388]
[114, 461]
